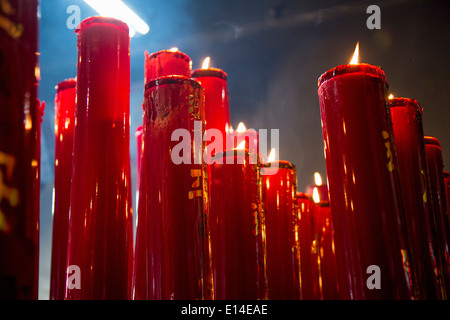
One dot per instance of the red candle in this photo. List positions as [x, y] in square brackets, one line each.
[280, 193]
[138, 135]
[238, 234]
[437, 190]
[217, 109]
[321, 188]
[19, 151]
[166, 63]
[100, 222]
[309, 273]
[64, 126]
[324, 249]
[409, 143]
[364, 184]
[172, 259]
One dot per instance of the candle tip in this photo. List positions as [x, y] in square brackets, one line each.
[206, 62]
[391, 96]
[271, 155]
[316, 196]
[355, 55]
[241, 127]
[317, 179]
[173, 49]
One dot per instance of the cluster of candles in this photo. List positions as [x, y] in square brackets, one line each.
[238, 228]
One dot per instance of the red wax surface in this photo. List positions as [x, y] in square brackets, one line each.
[138, 135]
[100, 222]
[309, 273]
[324, 251]
[20, 117]
[238, 234]
[166, 63]
[406, 117]
[217, 108]
[172, 259]
[364, 186]
[280, 195]
[438, 197]
[64, 126]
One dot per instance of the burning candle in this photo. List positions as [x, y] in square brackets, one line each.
[238, 233]
[409, 143]
[217, 109]
[364, 184]
[100, 223]
[280, 193]
[318, 184]
[20, 118]
[166, 63]
[437, 190]
[309, 272]
[244, 138]
[324, 248]
[172, 259]
[64, 125]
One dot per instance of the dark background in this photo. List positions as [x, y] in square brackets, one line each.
[273, 51]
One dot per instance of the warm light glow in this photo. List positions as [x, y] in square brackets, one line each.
[241, 146]
[317, 179]
[174, 49]
[355, 55]
[271, 155]
[241, 128]
[391, 96]
[316, 196]
[118, 10]
[205, 64]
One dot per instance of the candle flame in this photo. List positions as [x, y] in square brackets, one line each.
[241, 127]
[271, 156]
[241, 145]
[174, 49]
[391, 96]
[355, 55]
[317, 179]
[206, 62]
[316, 196]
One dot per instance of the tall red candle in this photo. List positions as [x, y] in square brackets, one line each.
[166, 63]
[324, 249]
[280, 193]
[364, 184]
[64, 125]
[217, 109]
[19, 151]
[138, 136]
[100, 222]
[238, 234]
[437, 189]
[172, 259]
[409, 143]
[309, 273]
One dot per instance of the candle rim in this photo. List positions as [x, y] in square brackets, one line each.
[210, 72]
[172, 79]
[102, 20]
[431, 141]
[302, 195]
[352, 68]
[66, 84]
[282, 164]
[177, 54]
[399, 102]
